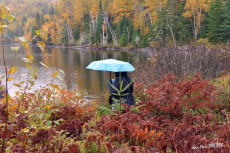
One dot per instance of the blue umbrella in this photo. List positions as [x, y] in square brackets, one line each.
[111, 65]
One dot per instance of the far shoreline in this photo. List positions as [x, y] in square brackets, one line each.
[97, 48]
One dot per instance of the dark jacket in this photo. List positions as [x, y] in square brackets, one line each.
[126, 80]
[2, 91]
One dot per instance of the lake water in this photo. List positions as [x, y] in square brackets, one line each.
[72, 61]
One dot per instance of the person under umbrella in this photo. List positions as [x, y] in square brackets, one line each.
[127, 94]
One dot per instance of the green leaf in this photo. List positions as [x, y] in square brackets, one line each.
[127, 86]
[136, 108]
[104, 110]
[56, 122]
[113, 86]
[48, 123]
[25, 130]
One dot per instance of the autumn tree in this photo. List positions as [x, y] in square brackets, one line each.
[121, 8]
[195, 10]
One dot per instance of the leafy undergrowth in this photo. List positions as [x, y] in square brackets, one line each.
[172, 115]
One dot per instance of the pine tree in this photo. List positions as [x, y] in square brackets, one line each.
[33, 34]
[76, 34]
[183, 28]
[98, 32]
[214, 19]
[86, 22]
[160, 26]
[224, 28]
[49, 40]
[64, 38]
[135, 38]
[144, 41]
[51, 12]
[38, 21]
[124, 31]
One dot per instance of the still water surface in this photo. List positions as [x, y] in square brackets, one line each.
[73, 62]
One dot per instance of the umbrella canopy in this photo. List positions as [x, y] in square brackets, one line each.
[111, 65]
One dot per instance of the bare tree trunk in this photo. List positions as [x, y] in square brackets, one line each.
[174, 41]
[82, 38]
[103, 35]
[114, 37]
[194, 24]
[69, 32]
[59, 31]
[93, 21]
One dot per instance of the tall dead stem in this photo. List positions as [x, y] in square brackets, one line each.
[7, 100]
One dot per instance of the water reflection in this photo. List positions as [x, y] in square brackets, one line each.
[72, 62]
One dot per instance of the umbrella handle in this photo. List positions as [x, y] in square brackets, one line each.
[110, 75]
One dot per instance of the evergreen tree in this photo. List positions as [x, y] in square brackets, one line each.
[144, 41]
[38, 21]
[183, 28]
[49, 40]
[160, 26]
[214, 19]
[135, 38]
[64, 34]
[51, 12]
[224, 28]
[124, 31]
[33, 34]
[76, 34]
[124, 38]
[98, 31]
[86, 22]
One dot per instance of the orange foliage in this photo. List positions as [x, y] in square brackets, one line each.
[195, 9]
[120, 8]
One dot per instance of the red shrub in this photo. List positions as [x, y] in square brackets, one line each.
[171, 97]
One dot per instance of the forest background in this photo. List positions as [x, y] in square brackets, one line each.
[121, 23]
[175, 114]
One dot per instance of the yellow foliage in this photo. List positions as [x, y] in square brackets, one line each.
[94, 10]
[12, 70]
[120, 8]
[152, 6]
[195, 9]
[10, 78]
[79, 10]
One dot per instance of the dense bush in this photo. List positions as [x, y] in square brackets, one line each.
[175, 115]
[181, 60]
